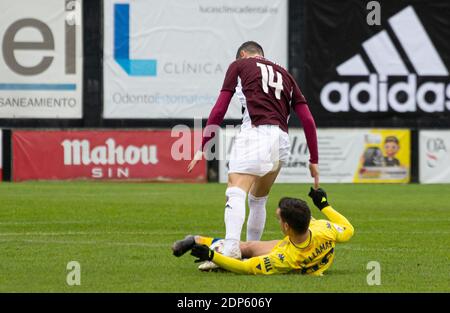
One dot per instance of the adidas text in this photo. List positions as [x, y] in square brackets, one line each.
[429, 96]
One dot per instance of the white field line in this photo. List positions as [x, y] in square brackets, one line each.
[44, 222]
[52, 222]
[383, 249]
[94, 233]
[91, 242]
[180, 233]
[406, 219]
[416, 220]
[160, 245]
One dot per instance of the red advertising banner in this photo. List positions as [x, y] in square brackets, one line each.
[110, 155]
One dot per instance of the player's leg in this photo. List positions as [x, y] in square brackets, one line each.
[238, 186]
[251, 249]
[278, 154]
[203, 240]
[257, 199]
[249, 159]
[182, 246]
[236, 193]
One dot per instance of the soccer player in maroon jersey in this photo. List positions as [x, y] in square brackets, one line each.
[267, 93]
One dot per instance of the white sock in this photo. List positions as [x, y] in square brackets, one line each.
[256, 217]
[234, 218]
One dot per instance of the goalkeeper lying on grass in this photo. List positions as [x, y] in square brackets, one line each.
[308, 247]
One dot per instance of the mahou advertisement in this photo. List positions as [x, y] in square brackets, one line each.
[105, 155]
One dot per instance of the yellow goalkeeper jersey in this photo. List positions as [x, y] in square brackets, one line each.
[313, 256]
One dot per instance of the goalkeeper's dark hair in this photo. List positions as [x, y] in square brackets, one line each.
[251, 47]
[296, 213]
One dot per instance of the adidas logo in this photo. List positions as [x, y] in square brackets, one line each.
[393, 86]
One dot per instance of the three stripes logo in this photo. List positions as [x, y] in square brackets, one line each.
[393, 86]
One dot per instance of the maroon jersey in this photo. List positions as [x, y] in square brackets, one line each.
[265, 89]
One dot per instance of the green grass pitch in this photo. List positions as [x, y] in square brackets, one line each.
[121, 234]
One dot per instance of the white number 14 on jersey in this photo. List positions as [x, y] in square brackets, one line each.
[268, 79]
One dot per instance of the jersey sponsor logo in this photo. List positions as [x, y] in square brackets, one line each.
[310, 269]
[339, 228]
[327, 257]
[267, 264]
[403, 93]
[319, 250]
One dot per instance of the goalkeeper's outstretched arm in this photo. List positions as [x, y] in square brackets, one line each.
[234, 265]
[319, 198]
[337, 218]
[259, 265]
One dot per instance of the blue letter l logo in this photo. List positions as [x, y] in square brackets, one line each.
[122, 45]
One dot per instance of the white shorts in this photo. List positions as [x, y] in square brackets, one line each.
[259, 150]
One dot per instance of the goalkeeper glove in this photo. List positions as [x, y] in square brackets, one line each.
[319, 198]
[202, 252]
